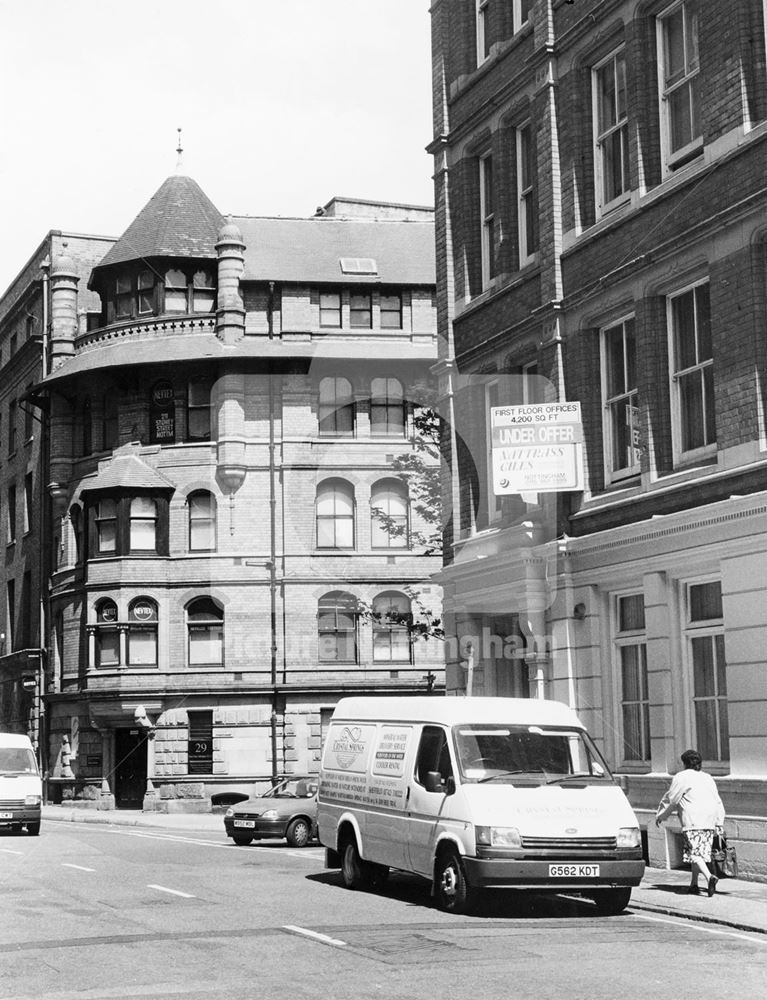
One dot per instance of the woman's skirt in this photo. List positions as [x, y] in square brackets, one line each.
[697, 845]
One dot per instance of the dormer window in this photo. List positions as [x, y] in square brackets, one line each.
[134, 295]
[145, 292]
[203, 292]
[123, 296]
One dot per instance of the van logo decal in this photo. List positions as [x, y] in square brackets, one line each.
[571, 829]
[348, 746]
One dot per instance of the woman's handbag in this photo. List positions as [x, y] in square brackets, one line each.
[723, 858]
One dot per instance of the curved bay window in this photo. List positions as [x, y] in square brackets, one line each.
[189, 293]
[389, 515]
[335, 515]
[205, 630]
[107, 635]
[391, 636]
[142, 633]
[337, 628]
[202, 521]
[336, 407]
[128, 525]
[175, 291]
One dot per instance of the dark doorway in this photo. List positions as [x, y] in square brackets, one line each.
[130, 768]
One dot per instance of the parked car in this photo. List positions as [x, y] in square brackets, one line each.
[288, 810]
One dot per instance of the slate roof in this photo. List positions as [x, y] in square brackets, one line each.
[178, 221]
[308, 251]
[126, 471]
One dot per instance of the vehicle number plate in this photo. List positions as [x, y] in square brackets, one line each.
[249, 823]
[6, 815]
[573, 871]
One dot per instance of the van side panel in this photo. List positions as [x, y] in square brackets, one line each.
[364, 773]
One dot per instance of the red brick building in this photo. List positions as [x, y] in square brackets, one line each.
[225, 399]
[601, 222]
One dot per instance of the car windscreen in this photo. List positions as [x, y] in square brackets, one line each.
[529, 755]
[17, 760]
[292, 788]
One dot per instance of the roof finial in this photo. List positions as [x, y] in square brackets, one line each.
[179, 150]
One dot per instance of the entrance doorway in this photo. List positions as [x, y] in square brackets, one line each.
[130, 768]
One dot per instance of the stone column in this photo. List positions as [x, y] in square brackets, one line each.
[64, 281]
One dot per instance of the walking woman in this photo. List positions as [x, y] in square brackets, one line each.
[694, 797]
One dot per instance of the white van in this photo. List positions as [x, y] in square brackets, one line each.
[21, 791]
[475, 793]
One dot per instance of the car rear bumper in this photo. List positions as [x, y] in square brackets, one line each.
[507, 873]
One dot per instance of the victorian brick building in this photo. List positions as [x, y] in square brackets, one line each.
[225, 401]
[601, 225]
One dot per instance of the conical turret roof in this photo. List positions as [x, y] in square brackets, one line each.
[178, 221]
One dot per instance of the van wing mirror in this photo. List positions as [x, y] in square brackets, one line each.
[434, 783]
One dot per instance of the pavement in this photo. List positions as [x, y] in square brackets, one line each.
[736, 903]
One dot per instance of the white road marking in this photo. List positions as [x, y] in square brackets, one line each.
[753, 938]
[80, 868]
[313, 934]
[6, 850]
[173, 892]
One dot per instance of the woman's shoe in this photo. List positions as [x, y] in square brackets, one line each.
[712, 885]
[693, 891]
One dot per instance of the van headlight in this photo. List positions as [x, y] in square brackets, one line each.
[229, 812]
[498, 836]
[32, 800]
[629, 836]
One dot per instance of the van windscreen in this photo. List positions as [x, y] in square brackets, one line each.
[17, 760]
[527, 755]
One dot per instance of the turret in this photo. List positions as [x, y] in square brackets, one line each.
[230, 315]
[64, 280]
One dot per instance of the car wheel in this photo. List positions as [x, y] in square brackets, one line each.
[451, 890]
[610, 902]
[299, 833]
[355, 871]
[242, 839]
[33, 829]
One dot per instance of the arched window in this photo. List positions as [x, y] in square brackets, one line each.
[142, 633]
[106, 527]
[198, 421]
[175, 291]
[205, 629]
[202, 521]
[336, 407]
[203, 292]
[335, 515]
[387, 408]
[389, 515]
[143, 524]
[107, 634]
[391, 636]
[337, 628]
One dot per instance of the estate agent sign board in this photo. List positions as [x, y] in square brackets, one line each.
[536, 448]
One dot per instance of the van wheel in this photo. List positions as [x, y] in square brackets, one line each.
[33, 829]
[299, 833]
[355, 871]
[242, 839]
[451, 890]
[610, 902]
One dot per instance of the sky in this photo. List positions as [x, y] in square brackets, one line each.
[282, 104]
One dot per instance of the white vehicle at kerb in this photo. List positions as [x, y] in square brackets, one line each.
[475, 793]
[21, 791]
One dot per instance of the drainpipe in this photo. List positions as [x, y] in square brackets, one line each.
[44, 556]
[272, 571]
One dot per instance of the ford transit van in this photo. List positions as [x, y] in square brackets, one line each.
[475, 793]
[21, 792]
